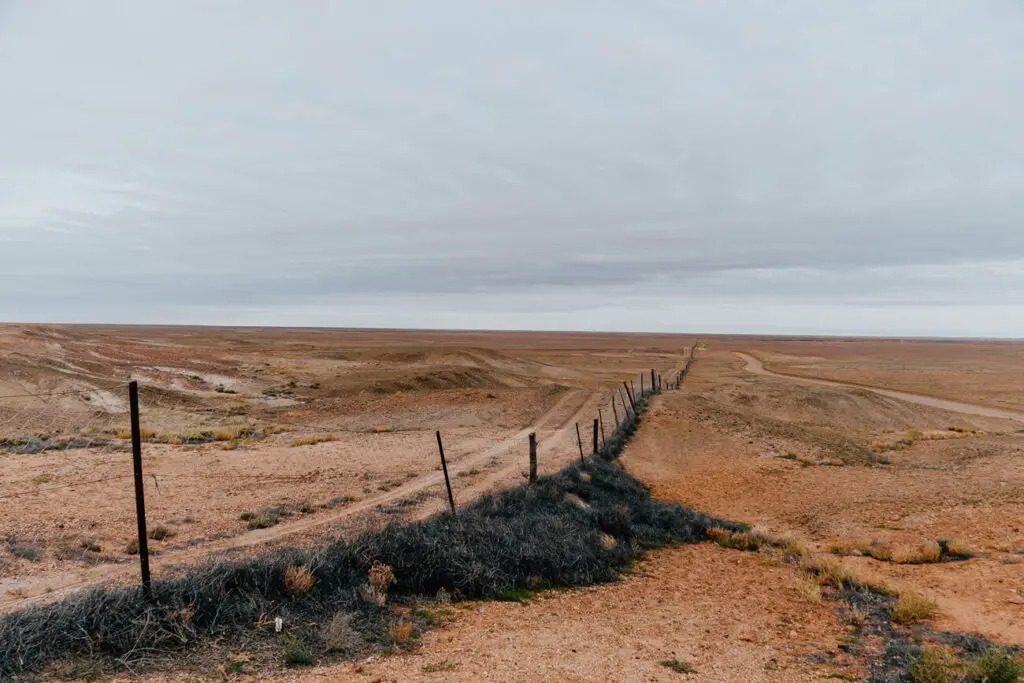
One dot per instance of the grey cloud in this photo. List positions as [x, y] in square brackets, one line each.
[195, 162]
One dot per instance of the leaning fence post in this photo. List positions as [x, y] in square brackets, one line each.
[629, 395]
[444, 467]
[595, 435]
[533, 458]
[615, 412]
[140, 498]
[579, 440]
[600, 418]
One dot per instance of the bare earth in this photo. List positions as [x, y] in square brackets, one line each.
[751, 437]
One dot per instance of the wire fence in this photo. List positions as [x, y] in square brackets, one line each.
[62, 504]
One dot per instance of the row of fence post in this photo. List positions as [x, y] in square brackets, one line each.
[626, 395]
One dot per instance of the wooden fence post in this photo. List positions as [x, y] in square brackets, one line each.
[533, 458]
[595, 436]
[615, 412]
[579, 440]
[444, 467]
[140, 496]
[600, 418]
[632, 403]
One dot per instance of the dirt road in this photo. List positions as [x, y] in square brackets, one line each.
[756, 366]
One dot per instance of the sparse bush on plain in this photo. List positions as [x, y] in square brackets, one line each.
[160, 533]
[25, 551]
[296, 652]
[935, 665]
[680, 667]
[995, 665]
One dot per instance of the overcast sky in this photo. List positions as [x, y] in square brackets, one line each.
[780, 167]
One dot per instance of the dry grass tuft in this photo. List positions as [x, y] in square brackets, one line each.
[375, 590]
[958, 548]
[314, 440]
[608, 542]
[912, 608]
[926, 554]
[341, 636]
[808, 589]
[400, 632]
[298, 580]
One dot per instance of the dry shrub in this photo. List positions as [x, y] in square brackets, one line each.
[608, 542]
[339, 635]
[160, 533]
[400, 632]
[844, 548]
[223, 436]
[808, 589]
[132, 547]
[958, 548]
[375, 590]
[912, 608]
[926, 554]
[298, 580]
[830, 572]
[738, 540]
[856, 616]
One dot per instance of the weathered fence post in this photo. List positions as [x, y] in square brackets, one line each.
[632, 402]
[633, 396]
[579, 440]
[140, 496]
[600, 418]
[615, 412]
[654, 383]
[595, 435]
[444, 468]
[533, 458]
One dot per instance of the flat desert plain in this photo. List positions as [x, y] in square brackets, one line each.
[900, 463]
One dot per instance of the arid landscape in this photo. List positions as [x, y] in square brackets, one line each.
[894, 465]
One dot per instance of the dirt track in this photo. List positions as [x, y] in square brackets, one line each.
[756, 366]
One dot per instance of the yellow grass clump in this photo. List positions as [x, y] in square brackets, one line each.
[298, 580]
[808, 589]
[314, 440]
[912, 608]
